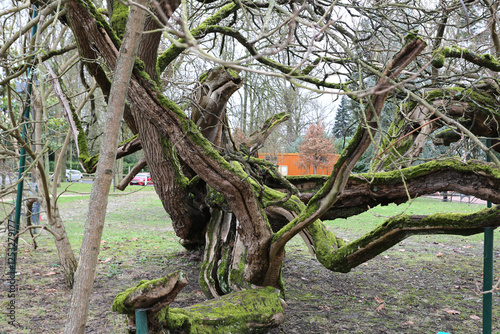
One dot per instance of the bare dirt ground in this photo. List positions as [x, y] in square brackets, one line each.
[423, 285]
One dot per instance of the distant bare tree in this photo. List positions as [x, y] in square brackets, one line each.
[317, 150]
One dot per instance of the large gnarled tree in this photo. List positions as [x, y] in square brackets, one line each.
[239, 209]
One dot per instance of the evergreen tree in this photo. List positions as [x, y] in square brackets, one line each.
[345, 118]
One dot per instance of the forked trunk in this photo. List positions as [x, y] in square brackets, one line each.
[223, 266]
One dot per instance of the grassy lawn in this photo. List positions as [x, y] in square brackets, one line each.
[365, 222]
[417, 279]
[356, 226]
[84, 188]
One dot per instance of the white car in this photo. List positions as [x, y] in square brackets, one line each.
[73, 175]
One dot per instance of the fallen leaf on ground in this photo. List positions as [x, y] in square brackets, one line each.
[439, 254]
[106, 261]
[475, 317]
[51, 290]
[50, 273]
[380, 307]
[379, 300]
[450, 311]
[408, 323]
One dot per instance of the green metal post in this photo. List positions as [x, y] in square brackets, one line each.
[141, 321]
[22, 163]
[488, 281]
[488, 271]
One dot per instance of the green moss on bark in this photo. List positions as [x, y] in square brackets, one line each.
[413, 172]
[396, 229]
[249, 311]
[119, 303]
[223, 270]
[101, 21]
[483, 60]
[175, 49]
[119, 18]
[171, 155]
[195, 135]
[237, 274]
[412, 36]
[446, 137]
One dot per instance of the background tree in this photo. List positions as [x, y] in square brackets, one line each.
[36, 141]
[317, 150]
[345, 119]
[261, 97]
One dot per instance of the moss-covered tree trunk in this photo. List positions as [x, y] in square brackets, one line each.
[171, 143]
[219, 196]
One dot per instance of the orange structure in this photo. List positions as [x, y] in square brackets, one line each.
[288, 163]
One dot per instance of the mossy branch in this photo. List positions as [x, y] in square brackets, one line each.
[248, 311]
[446, 137]
[287, 70]
[86, 161]
[483, 60]
[153, 294]
[102, 22]
[256, 139]
[475, 107]
[401, 227]
[336, 183]
[176, 49]
[119, 18]
[478, 179]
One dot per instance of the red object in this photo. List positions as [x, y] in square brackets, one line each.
[141, 179]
